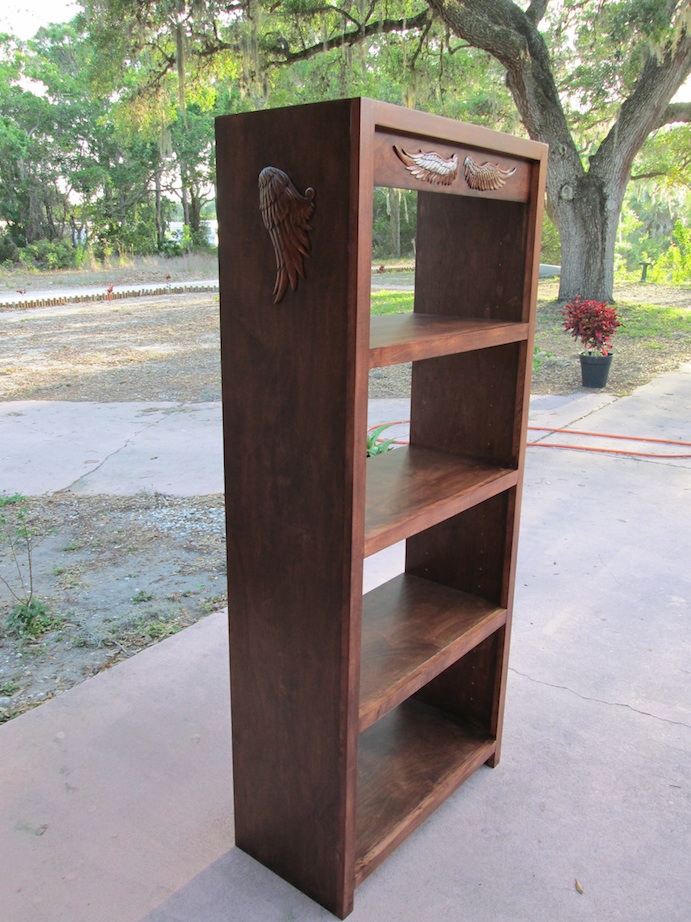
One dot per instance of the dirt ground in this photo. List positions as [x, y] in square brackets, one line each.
[121, 573]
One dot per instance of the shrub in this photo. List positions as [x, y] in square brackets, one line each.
[50, 254]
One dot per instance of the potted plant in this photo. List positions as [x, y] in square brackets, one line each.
[593, 324]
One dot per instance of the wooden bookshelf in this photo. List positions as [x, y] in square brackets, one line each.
[355, 716]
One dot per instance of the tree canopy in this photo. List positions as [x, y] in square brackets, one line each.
[136, 86]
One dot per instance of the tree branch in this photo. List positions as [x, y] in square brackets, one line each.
[536, 11]
[675, 112]
[644, 109]
[351, 38]
[503, 30]
[487, 25]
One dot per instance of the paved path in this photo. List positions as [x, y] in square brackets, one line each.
[122, 448]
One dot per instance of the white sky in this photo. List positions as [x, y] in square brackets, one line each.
[25, 18]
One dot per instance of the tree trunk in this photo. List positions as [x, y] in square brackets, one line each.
[586, 213]
[195, 215]
[185, 197]
[394, 198]
[160, 229]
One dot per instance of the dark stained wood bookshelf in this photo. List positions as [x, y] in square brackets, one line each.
[355, 716]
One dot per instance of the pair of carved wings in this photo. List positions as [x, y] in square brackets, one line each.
[431, 167]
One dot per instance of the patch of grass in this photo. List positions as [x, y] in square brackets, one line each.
[9, 688]
[73, 546]
[653, 322]
[69, 577]
[391, 302]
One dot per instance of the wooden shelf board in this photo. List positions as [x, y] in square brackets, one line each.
[414, 488]
[398, 338]
[409, 763]
[412, 629]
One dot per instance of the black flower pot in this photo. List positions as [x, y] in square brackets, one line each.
[595, 369]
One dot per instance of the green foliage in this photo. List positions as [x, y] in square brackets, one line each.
[30, 619]
[652, 230]
[157, 629]
[539, 357]
[598, 51]
[550, 251]
[108, 120]
[51, 254]
[375, 444]
[394, 227]
[674, 266]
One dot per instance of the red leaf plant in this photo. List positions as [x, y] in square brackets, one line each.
[592, 323]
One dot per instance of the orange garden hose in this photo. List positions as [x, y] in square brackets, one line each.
[608, 435]
[593, 448]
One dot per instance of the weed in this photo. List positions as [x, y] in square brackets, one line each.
[9, 688]
[157, 630]
[376, 445]
[142, 596]
[73, 546]
[30, 619]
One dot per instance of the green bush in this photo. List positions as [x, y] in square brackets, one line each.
[674, 266]
[51, 254]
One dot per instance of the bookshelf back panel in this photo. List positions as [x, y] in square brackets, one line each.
[468, 551]
[471, 257]
[467, 403]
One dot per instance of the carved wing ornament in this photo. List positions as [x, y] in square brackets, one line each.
[429, 166]
[286, 214]
[485, 177]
